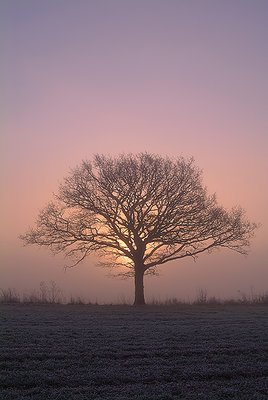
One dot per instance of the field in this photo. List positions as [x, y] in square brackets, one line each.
[63, 352]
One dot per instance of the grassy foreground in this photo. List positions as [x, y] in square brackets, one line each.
[63, 352]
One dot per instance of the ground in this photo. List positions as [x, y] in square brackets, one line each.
[64, 352]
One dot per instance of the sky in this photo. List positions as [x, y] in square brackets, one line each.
[171, 77]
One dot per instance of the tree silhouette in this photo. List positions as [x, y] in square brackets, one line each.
[138, 212]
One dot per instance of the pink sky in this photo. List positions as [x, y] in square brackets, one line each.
[169, 77]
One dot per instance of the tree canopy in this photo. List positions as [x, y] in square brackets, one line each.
[138, 212]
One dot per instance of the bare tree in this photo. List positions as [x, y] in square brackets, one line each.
[138, 212]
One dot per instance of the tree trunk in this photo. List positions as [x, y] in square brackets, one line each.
[139, 288]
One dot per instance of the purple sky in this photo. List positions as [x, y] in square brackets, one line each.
[112, 76]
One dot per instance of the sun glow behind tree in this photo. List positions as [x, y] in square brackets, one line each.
[138, 212]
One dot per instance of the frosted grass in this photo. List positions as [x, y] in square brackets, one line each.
[120, 352]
